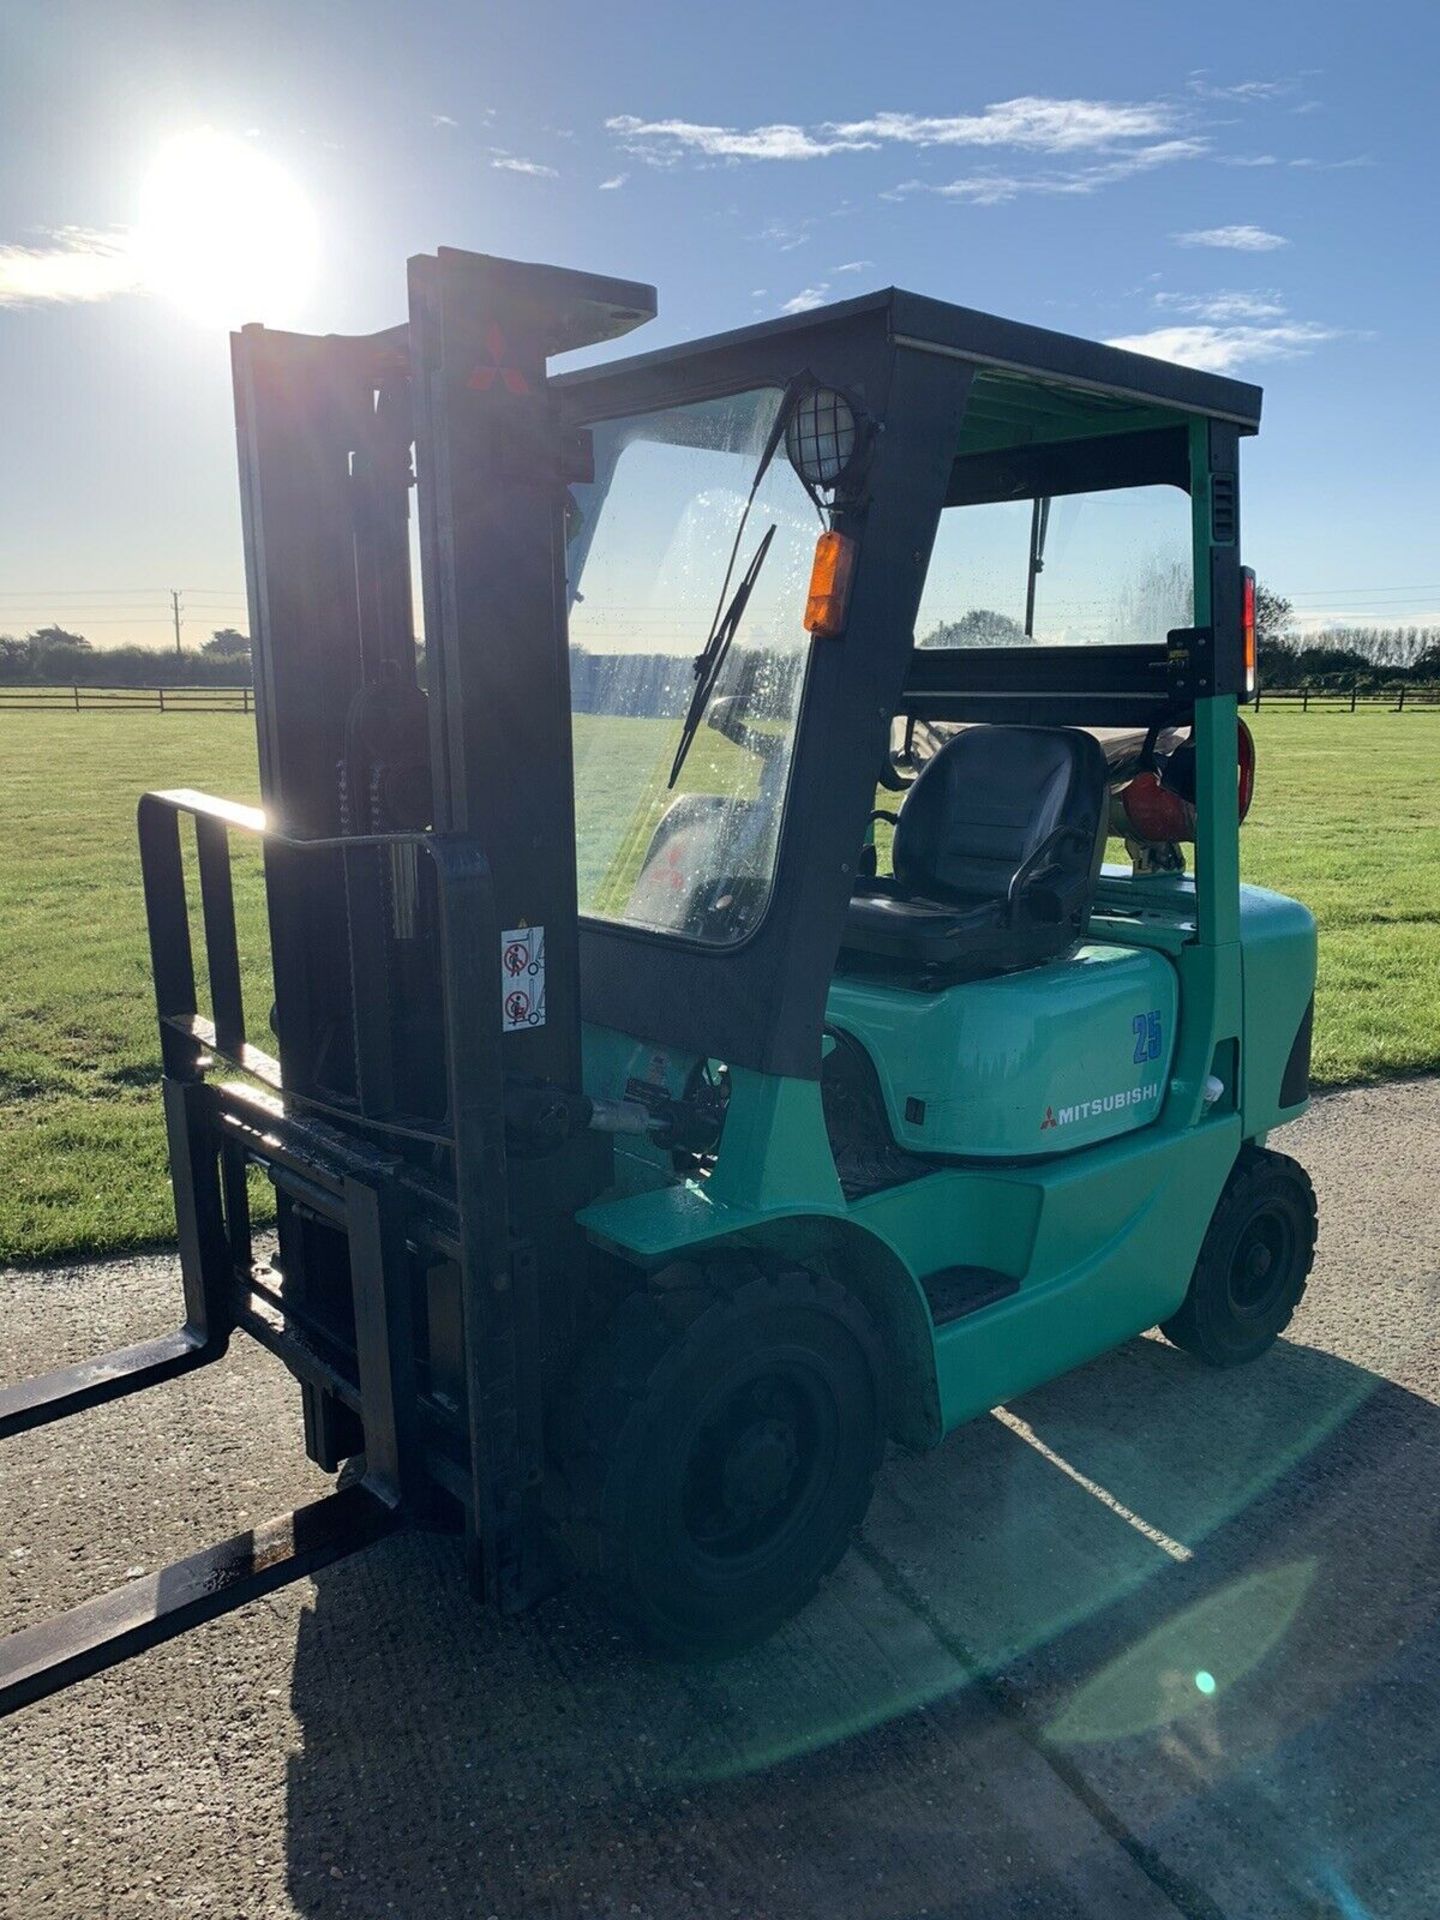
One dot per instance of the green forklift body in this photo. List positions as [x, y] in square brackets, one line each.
[1022, 1064]
[1053, 1139]
[1080, 1236]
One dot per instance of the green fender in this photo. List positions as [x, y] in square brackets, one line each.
[774, 1188]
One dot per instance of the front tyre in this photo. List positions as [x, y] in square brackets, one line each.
[1253, 1264]
[724, 1441]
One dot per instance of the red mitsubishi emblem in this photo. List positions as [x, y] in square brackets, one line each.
[485, 375]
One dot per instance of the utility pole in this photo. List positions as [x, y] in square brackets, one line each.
[175, 608]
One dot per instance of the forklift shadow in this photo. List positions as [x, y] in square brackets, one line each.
[1217, 1594]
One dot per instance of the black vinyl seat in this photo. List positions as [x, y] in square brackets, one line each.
[996, 856]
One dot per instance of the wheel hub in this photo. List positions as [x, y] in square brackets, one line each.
[748, 1467]
[1260, 1263]
[760, 1467]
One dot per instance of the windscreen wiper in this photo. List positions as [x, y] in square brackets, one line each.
[708, 666]
[1039, 527]
[727, 617]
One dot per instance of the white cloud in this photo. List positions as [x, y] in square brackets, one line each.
[1241, 239]
[993, 189]
[1031, 124]
[442, 120]
[663, 143]
[807, 298]
[508, 163]
[1224, 307]
[1221, 349]
[79, 264]
[1091, 143]
[785, 235]
[1255, 91]
[853, 266]
[614, 183]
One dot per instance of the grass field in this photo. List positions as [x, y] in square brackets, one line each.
[1345, 817]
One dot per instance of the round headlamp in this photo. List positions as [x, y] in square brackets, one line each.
[821, 438]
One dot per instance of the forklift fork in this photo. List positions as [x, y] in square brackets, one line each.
[482, 1448]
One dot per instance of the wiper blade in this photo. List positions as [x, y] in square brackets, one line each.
[710, 663]
[722, 629]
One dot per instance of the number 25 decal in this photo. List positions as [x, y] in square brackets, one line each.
[1146, 1029]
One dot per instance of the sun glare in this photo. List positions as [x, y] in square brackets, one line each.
[224, 232]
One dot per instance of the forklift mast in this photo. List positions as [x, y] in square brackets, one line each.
[432, 1144]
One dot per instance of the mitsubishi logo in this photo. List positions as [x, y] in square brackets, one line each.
[485, 375]
[1049, 1120]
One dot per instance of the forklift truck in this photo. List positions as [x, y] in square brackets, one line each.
[657, 1125]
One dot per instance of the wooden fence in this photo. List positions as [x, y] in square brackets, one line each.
[1349, 697]
[22, 699]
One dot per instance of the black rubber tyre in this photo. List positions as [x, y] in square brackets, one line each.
[720, 1451]
[1253, 1265]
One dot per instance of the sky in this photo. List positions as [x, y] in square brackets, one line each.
[1241, 187]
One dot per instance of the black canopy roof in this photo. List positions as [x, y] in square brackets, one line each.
[982, 339]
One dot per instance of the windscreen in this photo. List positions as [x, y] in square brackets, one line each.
[1085, 569]
[648, 547]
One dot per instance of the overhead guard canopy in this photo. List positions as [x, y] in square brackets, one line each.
[985, 341]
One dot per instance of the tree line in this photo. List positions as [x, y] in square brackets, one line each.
[642, 683]
[55, 657]
[1376, 655]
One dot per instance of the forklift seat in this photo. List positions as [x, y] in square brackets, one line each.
[995, 859]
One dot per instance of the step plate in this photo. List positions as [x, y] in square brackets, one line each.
[954, 1292]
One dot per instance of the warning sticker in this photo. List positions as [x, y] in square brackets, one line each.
[522, 978]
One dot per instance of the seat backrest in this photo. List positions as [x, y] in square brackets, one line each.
[988, 799]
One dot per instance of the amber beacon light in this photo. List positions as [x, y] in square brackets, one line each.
[829, 596]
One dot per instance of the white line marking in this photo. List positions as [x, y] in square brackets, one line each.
[1175, 1549]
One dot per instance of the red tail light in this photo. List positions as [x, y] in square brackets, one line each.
[1247, 628]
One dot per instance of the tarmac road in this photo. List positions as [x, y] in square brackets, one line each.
[1153, 1641]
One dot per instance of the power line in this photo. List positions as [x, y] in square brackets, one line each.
[160, 619]
[1383, 586]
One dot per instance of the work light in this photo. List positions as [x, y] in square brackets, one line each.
[821, 437]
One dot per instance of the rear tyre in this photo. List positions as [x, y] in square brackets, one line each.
[1253, 1265]
[724, 1439]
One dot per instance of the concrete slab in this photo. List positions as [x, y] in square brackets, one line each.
[998, 1706]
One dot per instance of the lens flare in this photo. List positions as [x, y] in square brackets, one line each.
[224, 231]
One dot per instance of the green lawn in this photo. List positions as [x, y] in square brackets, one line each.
[1345, 817]
[81, 1138]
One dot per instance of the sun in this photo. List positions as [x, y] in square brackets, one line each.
[224, 231]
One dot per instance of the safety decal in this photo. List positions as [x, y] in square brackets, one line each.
[522, 978]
